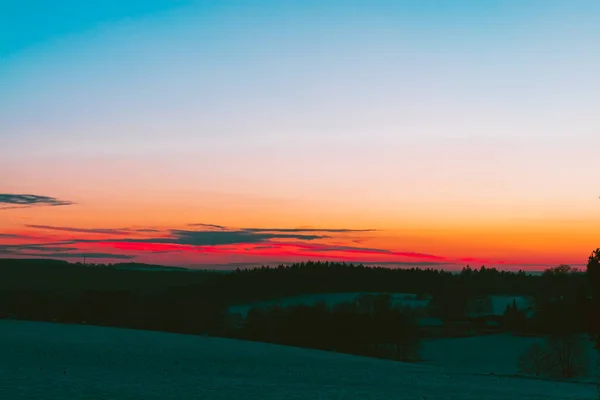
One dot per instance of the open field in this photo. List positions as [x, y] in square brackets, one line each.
[498, 354]
[55, 361]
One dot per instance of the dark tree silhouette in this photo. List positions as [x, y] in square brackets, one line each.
[593, 273]
[367, 326]
[514, 319]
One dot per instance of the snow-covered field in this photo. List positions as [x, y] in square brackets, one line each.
[498, 303]
[497, 354]
[54, 361]
[331, 299]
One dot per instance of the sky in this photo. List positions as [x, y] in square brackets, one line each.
[225, 133]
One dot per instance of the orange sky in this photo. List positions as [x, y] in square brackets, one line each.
[147, 232]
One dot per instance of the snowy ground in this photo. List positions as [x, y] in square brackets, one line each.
[497, 354]
[54, 361]
[498, 303]
[331, 299]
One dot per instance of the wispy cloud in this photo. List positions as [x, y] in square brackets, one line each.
[215, 238]
[54, 251]
[365, 250]
[211, 235]
[12, 236]
[103, 231]
[306, 230]
[345, 248]
[81, 255]
[284, 230]
[36, 247]
[326, 248]
[29, 200]
[210, 226]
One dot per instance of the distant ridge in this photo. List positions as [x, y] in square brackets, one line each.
[147, 267]
[226, 268]
[120, 266]
[31, 261]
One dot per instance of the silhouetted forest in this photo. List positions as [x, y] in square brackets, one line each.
[315, 277]
[565, 301]
[368, 326]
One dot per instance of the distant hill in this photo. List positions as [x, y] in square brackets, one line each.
[56, 275]
[38, 262]
[147, 267]
[32, 262]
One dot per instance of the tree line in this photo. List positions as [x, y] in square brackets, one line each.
[368, 326]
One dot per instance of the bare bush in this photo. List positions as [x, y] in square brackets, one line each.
[569, 356]
[563, 356]
[534, 361]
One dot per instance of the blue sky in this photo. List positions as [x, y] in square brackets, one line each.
[36, 22]
[301, 71]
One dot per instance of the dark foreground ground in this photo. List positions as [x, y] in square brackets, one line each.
[56, 361]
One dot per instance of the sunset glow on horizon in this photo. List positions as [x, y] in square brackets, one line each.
[217, 134]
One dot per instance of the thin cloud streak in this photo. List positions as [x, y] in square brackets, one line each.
[12, 236]
[283, 230]
[362, 250]
[30, 200]
[307, 230]
[220, 227]
[80, 255]
[212, 238]
[81, 230]
[37, 247]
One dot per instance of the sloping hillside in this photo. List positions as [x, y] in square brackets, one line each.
[53, 361]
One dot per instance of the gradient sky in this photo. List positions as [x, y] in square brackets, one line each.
[396, 132]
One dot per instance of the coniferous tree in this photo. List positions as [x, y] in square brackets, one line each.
[593, 273]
